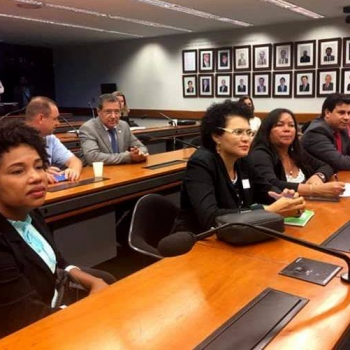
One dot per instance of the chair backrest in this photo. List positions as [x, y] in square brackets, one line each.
[197, 141]
[152, 219]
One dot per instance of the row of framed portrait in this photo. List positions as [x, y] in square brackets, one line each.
[301, 55]
[265, 84]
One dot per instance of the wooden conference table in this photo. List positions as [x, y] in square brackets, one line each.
[177, 302]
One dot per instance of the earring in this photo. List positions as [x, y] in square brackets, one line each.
[218, 147]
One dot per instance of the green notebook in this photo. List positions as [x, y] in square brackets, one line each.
[301, 220]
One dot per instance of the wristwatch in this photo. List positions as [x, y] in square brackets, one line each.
[321, 176]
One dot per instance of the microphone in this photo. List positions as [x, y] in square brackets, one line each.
[75, 130]
[92, 109]
[13, 112]
[182, 242]
[171, 121]
[185, 143]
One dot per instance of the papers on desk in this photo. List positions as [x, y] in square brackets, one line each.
[132, 128]
[301, 221]
[346, 193]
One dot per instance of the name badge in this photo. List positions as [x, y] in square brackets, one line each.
[245, 183]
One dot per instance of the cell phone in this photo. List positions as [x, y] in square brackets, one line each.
[60, 177]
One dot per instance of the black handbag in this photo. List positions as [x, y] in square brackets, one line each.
[240, 235]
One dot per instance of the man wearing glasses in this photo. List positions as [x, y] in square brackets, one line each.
[108, 139]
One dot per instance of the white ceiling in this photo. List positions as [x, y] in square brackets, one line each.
[255, 12]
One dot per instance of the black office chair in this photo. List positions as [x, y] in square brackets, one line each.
[196, 141]
[152, 219]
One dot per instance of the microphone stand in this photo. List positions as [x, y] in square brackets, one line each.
[171, 121]
[13, 112]
[185, 143]
[92, 110]
[71, 125]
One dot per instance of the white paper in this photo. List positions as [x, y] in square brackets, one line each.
[346, 193]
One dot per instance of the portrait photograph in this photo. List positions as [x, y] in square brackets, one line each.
[223, 59]
[223, 85]
[282, 84]
[305, 54]
[304, 84]
[189, 85]
[262, 84]
[189, 61]
[328, 80]
[283, 56]
[242, 58]
[206, 85]
[329, 53]
[346, 52]
[262, 57]
[241, 84]
[206, 60]
[345, 81]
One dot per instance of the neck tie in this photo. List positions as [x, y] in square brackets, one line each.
[338, 141]
[114, 143]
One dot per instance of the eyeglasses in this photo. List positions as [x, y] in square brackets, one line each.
[239, 132]
[110, 112]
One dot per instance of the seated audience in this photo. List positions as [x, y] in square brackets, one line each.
[254, 122]
[218, 179]
[108, 139]
[327, 137]
[42, 114]
[124, 108]
[29, 257]
[278, 158]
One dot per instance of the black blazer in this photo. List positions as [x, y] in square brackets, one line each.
[207, 191]
[268, 167]
[26, 283]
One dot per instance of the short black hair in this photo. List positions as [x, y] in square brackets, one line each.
[14, 133]
[106, 98]
[216, 117]
[333, 100]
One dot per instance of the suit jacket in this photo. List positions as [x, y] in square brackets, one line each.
[241, 88]
[223, 88]
[283, 60]
[206, 88]
[207, 191]
[96, 145]
[261, 88]
[329, 58]
[348, 88]
[319, 141]
[304, 88]
[269, 168]
[304, 59]
[330, 87]
[27, 284]
[281, 88]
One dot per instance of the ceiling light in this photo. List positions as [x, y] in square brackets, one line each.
[190, 11]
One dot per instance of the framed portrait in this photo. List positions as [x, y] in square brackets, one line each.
[262, 84]
[241, 84]
[346, 52]
[329, 53]
[262, 56]
[189, 61]
[304, 83]
[223, 59]
[189, 86]
[206, 60]
[345, 81]
[305, 54]
[283, 56]
[282, 84]
[206, 85]
[223, 85]
[242, 58]
[328, 81]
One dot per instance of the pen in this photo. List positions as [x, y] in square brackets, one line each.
[336, 177]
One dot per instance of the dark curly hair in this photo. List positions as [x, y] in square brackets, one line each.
[332, 101]
[14, 133]
[216, 117]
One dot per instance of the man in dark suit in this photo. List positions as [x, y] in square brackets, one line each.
[305, 58]
[304, 86]
[348, 87]
[223, 87]
[241, 87]
[261, 87]
[282, 87]
[205, 85]
[328, 85]
[283, 59]
[329, 57]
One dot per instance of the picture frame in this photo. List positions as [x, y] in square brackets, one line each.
[283, 56]
[305, 54]
[241, 84]
[242, 58]
[328, 81]
[206, 85]
[224, 59]
[206, 60]
[223, 85]
[189, 61]
[282, 84]
[329, 53]
[262, 55]
[189, 86]
[261, 84]
[346, 52]
[304, 84]
[345, 82]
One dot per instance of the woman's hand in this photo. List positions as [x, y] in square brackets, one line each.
[89, 282]
[288, 206]
[329, 189]
[288, 193]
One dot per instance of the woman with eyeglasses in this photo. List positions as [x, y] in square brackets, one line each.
[279, 159]
[218, 180]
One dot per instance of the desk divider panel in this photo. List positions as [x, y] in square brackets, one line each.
[257, 323]
[340, 239]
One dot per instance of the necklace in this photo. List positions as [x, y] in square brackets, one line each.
[287, 167]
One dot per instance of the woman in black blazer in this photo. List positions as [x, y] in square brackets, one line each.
[279, 159]
[218, 180]
[28, 255]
